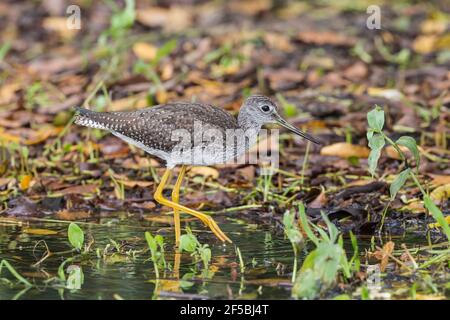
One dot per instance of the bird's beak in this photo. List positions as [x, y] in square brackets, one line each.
[293, 129]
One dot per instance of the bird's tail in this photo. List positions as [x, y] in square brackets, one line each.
[88, 118]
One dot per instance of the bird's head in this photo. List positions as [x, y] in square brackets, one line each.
[263, 110]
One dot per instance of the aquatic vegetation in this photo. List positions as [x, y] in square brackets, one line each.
[321, 266]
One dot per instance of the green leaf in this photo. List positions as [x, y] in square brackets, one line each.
[398, 182]
[411, 144]
[375, 118]
[376, 143]
[306, 285]
[164, 51]
[290, 227]
[305, 224]
[124, 19]
[188, 242]
[75, 235]
[437, 215]
[327, 261]
[309, 261]
[205, 255]
[290, 110]
[152, 244]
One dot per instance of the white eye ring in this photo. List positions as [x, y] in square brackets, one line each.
[266, 108]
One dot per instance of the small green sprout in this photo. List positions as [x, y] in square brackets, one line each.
[75, 235]
[377, 140]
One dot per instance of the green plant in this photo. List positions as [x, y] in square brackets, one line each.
[189, 243]
[75, 235]
[13, 271]
[322, 265]
[294, 235]
[156, 246]
[377, 139]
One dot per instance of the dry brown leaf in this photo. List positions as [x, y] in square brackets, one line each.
[83, 189]
[204, 171]
[439, 180]
[320, 201]
[59, 25]
[345, 150]
[176, 18]
[415, 207]
[7, 181]
[433, 26]
[424, 44]
[326, 37]
[41, 232]
[43, 134]
[383, 254]
[134, 183]
[72, 215]
[441, 193]
[356, 71]
[145, 51]
[159, 218]
[249, 8]
[393, 154]
[278, 41]
[137, 101]
[25, 182]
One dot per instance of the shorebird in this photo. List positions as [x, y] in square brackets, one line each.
[158, 131]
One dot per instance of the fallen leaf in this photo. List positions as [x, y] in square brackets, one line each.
[325, 37]
[390, 94]
[72, 215]
[43, 134]
[83, 189]
[7, 181]
[42, 232]
[145, 51]
[25, 182]
[439, 180]
[415, 207]
[383, 254]
[424, 44]
[136, 183]
[204, 171]
[59, 25]
[345, 150]
[250, 8]
[159, 219]
[433, 26]
[436, 225]
[320, 201]
[441, 193]
[176, 18]
[393, 154]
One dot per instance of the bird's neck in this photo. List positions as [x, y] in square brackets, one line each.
[246, 122]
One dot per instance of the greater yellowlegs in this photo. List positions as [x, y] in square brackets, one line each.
[175, 132]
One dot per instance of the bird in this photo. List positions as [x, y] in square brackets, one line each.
[175, 132]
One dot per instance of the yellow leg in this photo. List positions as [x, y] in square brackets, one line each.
[207, 220]
[176, 212]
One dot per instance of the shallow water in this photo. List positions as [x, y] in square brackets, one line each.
[267, 256]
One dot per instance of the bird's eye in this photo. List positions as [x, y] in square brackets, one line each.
[265, 108]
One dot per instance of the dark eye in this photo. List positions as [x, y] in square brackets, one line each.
[265, 108]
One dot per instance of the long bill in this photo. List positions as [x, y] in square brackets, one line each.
[293, 129]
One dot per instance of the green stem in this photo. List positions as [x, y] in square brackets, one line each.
[294, 272]
[400, 152]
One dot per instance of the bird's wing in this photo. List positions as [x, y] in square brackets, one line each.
[159, 127]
